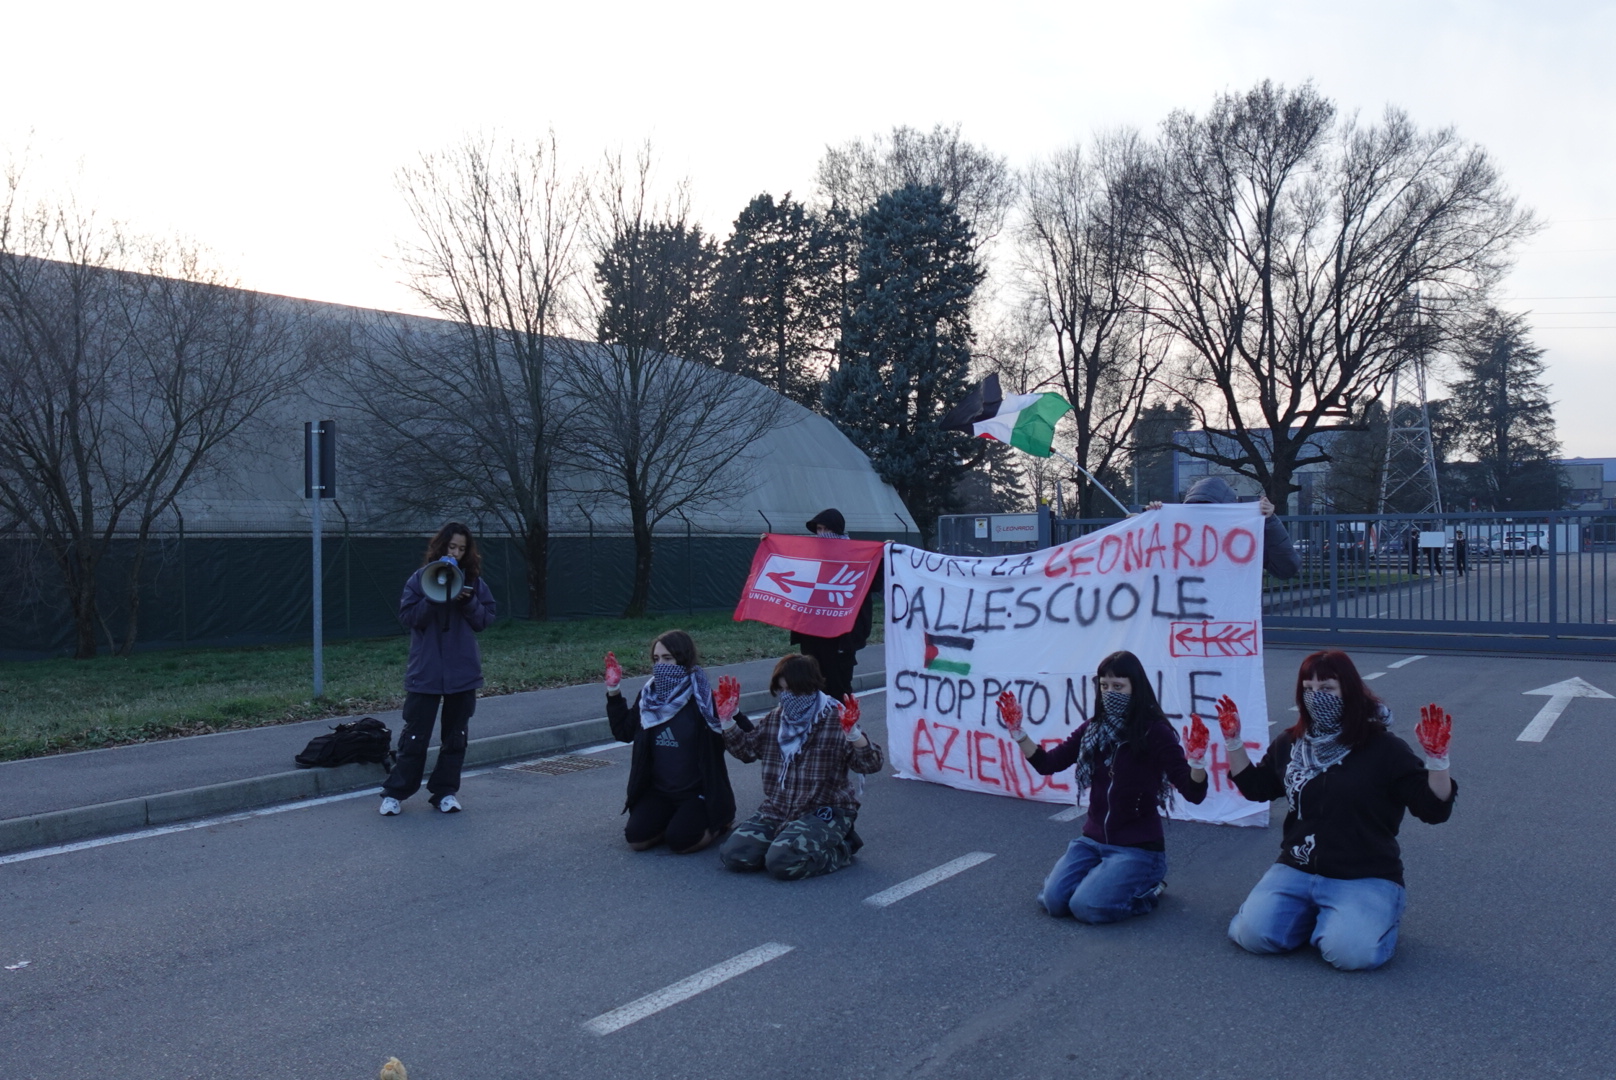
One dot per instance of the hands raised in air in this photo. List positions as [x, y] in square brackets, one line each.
[1229, 723]
[850, 718]
[1010, 713]
[614, 672]
[1195, 744]
[727, 697]
[1434, 731]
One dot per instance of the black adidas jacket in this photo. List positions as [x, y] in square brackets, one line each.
[716, 792]
[1345, 821]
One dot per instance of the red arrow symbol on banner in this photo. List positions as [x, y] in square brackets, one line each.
[1229, 636]
[784, 580]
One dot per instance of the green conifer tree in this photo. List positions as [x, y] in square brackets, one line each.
[907, 350]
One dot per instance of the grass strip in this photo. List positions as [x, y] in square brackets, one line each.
[54, 706]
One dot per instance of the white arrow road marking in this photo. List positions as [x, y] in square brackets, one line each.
[685, 989]
[1559, 695]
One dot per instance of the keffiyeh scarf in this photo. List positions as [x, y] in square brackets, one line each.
[1100, 739]
[798, 714]
[670, 687]
[1321, 748]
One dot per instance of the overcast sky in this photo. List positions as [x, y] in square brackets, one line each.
[271, 133]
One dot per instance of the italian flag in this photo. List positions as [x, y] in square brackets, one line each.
[1025, 421]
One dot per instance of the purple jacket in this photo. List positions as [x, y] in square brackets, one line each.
[1122, 801]
[444, 658]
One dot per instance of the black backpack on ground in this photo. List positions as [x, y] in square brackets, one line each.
[363, 740]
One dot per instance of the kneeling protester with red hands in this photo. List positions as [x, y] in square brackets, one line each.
[1347, 780]
[1129, 760]
[814, 758]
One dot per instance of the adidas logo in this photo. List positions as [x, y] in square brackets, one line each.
[665, 738]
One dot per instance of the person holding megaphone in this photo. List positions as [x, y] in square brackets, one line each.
[445, 604]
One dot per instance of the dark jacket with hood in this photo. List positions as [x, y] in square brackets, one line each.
[1123, 807]
[716, 792]
[444, 657]
[1279, 556]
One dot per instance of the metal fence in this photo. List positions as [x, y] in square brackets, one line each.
[1518, 583]
[257, 589]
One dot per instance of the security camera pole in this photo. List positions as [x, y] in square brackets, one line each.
[319, 483]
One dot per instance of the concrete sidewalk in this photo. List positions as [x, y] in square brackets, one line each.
[67, 797]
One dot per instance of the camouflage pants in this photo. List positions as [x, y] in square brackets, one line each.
[819, 842]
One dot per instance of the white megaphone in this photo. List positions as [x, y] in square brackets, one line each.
[442, 580]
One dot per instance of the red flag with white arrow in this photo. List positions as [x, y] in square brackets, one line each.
[810, 584]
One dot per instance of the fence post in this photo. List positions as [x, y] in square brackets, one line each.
[1334, 525]
[185, 622]
[1554, 577]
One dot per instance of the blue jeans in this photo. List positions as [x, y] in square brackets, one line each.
[1100, 883]
[1353, 922]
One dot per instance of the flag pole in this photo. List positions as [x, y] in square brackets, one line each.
[1125, 511]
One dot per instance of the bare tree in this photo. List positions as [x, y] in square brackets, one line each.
[118, 389]
[464, 414]
[976, 183]
[1283, 250]
[1083, 259]
[662, 434]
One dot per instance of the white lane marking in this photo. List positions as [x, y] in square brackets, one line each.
[684, 989]
[1406, 661]
[1071, 813]
[1373, 675]
[888, 897]
[206, 823]
[1560, 695]
[867, 693]
[601, 749]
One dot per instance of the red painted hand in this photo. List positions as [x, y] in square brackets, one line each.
[1195, 745]
[614, 672]
[1434, 731]
[1010, 713]
[1228, 718]
[850, 715]
[727, 697]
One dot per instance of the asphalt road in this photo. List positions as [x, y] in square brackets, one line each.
[316, 942]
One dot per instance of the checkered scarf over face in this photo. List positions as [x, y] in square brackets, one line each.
[1102, 737]
[670, 687]
[1321, 748]
[798, 714]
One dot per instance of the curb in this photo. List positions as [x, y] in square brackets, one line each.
[169, 807]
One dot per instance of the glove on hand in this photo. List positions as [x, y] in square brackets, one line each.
[1229, 723]
[850, 719]
[727, 698]
[1434, 731]
[1195, 745]
[614, 672]
[1010, 713]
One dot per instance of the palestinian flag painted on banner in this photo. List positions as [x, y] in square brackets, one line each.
[1025, 421]
[950, 654]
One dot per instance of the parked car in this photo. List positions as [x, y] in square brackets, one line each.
[1524, 543]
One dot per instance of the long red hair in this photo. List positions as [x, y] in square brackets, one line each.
[1359, 706]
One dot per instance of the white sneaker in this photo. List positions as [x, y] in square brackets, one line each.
[390, 806]
[449, 805]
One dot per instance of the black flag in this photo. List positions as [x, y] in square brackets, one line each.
[980, 404]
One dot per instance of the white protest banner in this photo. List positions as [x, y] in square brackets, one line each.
[1180, 587]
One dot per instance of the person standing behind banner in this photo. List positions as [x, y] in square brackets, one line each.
[1461, 551]
[445, 669]
[678, 785]
[1338, 882]
[807, 743]
[1279, 554]
[1129, 760]
[837, 656]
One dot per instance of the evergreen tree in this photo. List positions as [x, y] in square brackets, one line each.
[1503, 415]
[778, 300]
[658, 291]
[907, 352]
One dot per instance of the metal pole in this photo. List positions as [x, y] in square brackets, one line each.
[319, 566]
[1125, 511]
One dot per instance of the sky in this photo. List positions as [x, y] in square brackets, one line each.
[271, 134]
